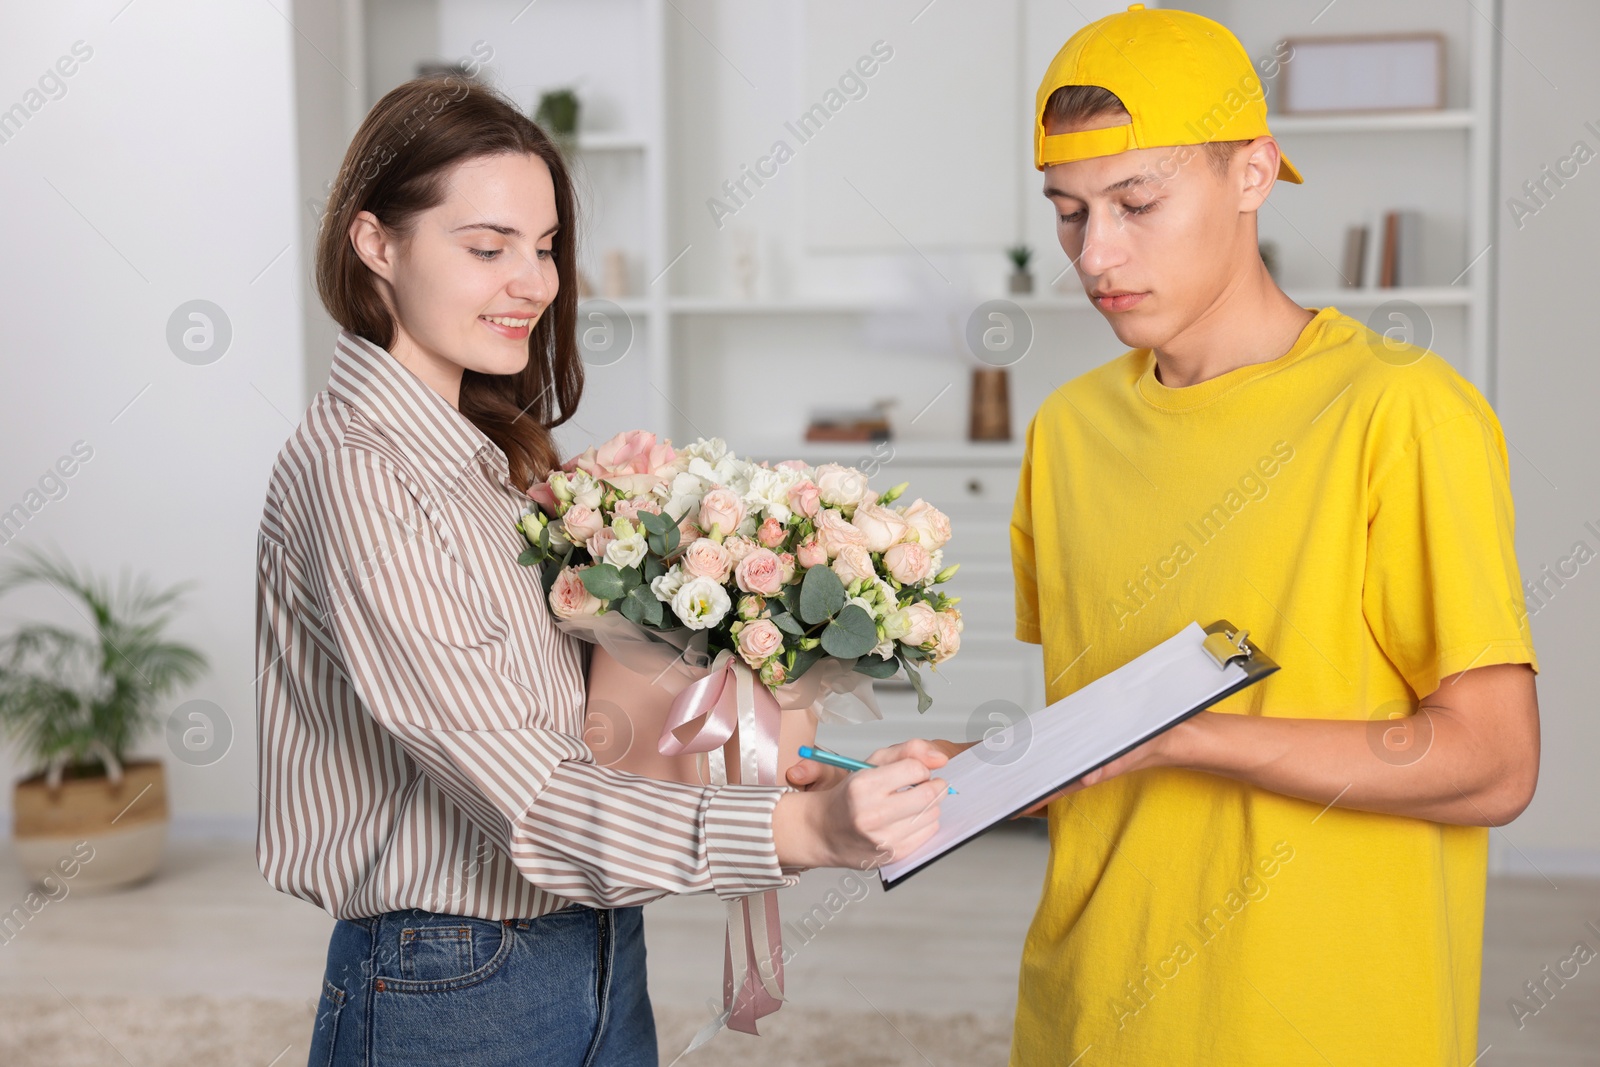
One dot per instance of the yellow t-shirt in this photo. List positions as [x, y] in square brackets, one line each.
[1349, 504]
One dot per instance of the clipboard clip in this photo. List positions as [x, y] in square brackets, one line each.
[1225, 646]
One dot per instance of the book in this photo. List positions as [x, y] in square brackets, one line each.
[1401, 259]
[1355, 256]
[1022, 764]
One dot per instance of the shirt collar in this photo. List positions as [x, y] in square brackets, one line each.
[439, 438]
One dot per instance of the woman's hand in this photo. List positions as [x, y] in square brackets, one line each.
[861, 819]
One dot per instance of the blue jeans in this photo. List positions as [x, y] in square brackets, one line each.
[418, 987]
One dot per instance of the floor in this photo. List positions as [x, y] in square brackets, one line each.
[207, 960]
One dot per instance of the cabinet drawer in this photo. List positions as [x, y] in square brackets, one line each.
[962, 490]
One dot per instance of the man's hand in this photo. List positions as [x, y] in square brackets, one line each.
[1476, 763]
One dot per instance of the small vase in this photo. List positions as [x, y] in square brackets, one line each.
[1021, 283]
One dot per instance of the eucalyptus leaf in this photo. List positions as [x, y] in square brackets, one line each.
[646, 608]
[821, 595]
[789, 624]
[924, 701]
[803, 661]
[851, 634]
[603, 580]
[877, 666]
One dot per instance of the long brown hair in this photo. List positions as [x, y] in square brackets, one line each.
[396, 167]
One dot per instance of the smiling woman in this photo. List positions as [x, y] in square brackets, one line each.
[420, 719]
[389, 260]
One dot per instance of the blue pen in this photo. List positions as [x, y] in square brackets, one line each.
[833, 759]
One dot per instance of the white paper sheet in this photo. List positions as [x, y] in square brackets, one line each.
[1032, 758]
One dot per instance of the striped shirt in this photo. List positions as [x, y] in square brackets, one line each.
[420, 718]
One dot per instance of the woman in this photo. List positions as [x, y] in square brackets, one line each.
[420, 717]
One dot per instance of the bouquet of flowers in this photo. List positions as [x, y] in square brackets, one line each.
[731, 603]
[783, 565]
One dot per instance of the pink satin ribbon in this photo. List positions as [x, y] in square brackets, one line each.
[728, 702]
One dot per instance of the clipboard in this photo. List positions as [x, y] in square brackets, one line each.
[1085, 730]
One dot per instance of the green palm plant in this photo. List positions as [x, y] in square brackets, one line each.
[76, 701]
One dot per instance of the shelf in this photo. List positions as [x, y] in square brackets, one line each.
[1434, 296]
[1007, 453]
[630, 305]
[841, 305]
[610, 141]
[1375, 121]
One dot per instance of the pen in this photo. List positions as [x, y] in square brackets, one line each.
[833, 759]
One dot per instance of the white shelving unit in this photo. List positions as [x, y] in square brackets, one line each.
[1442, 163]
[685, 93]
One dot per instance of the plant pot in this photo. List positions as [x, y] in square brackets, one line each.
[124, 824]
[1021, 283]
[625, 716]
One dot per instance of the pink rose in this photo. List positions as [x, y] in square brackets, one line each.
[932, 526]
[738, 548]
[772, 533]
[721, 508]
[633, 506]
[854, 562]
[704, 558]
[786, 566]
[834, 532]
[880, 526]
[842, 487]
[541, 493]
[687, 530]
[810, 553]
[633, 461]
[920, 621]
[581, 523]
[759, 572]
[597, 542]
[569, 598]
[908, 562]
[947, 635]
[759, 641]
[805, 498]
[774, 673]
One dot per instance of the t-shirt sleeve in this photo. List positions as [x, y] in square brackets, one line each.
[1023, 569]
[1442, 591]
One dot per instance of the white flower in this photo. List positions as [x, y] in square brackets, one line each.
[842, 487]
[627, 552]
[666, 586]
[700, 603]
[584, 488]
[769, 491]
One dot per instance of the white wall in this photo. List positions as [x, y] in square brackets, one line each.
[1549, 382]
[164, 173]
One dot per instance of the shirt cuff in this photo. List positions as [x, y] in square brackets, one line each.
[1028, 631]
[740, 854]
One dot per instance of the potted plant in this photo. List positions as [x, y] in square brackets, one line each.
[75, 703]
[557, 114]
[1021, 279]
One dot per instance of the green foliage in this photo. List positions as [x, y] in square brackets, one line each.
[852, 633]
[821, 595]
[1019, 256]
[62, 691]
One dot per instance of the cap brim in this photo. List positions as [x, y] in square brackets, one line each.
[1287, 171]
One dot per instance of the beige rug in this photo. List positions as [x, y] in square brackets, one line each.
[47, 1031]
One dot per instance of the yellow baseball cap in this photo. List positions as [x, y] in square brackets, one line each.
[1183, 78]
